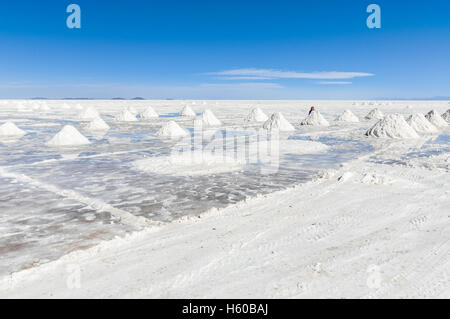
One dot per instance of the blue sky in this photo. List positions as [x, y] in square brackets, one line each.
[225, 49]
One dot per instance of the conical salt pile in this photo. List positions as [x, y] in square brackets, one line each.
[187, 112]
[278, 122]
[97, 125]
[347, 116]
[149, 113]
[375, 114]
[89, 114]
[257, 115]
[44, 107]
[436, 119]
[68, 136]
[171, 130]
[209, 119]
[126, 116]
[392, 126]
[315, 119]
[446, 116]
[419, 123]
[9, 129]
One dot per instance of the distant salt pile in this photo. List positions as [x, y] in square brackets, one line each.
[149, 113]
[375, 114]
[68, 136]
[89, 114]
[78, 106]
[436, 119]
[171, 130]
[392, 126]
[209, 119]
[97, 125]
[347, 116]
[278, 122]
[9, 129]
[126, 116]
[257, 115]
[421, 125]
[187, 112]
[44, 107]
[446, 116]
[315, 119]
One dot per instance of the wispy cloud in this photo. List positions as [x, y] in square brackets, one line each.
[266, 74]
[333, 83]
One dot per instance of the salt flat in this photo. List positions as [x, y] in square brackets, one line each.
[357, 217]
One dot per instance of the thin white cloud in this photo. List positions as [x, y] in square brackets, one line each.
[334, 83]
[262, 74]
[263, 85]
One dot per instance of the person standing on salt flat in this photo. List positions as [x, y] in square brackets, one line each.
[315, 119]
[68, 136]
[149, 113]
[311, 110]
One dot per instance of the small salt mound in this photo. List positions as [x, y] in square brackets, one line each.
[278, 122]
[9, 129]
[69, 136]
[290, 146]
[446, 116]
[171, 130]
[97, 125]
[436, 119]
[315, 119]
[209, 119]
[392, 126]
[149, 113]
[126, 116]
[347, 116]
[89, 114]
[419, 123]
[257, 115]
[375, 114]
[187, 112]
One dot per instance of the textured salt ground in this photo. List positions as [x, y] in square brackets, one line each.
[122, 133]
[234, 252]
